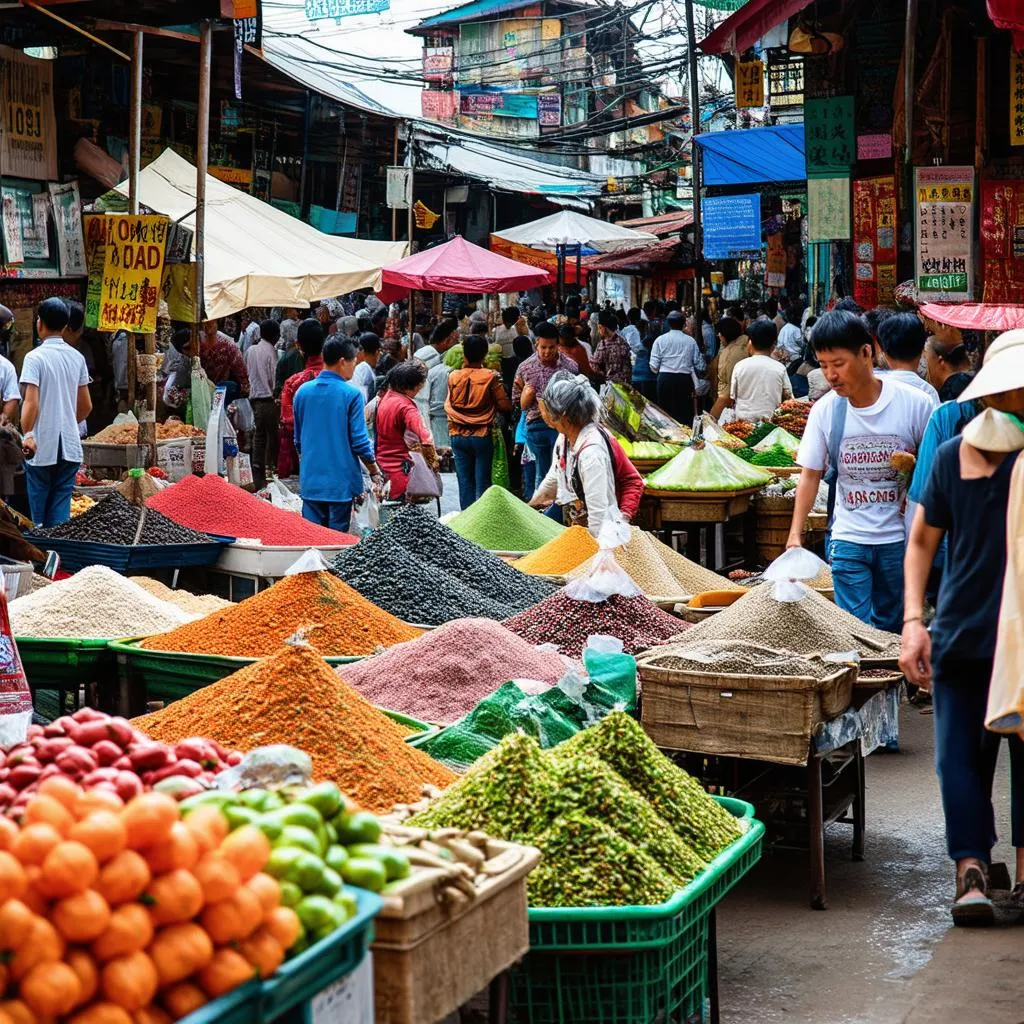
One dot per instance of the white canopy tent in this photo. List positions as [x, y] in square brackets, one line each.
[568, 229]
[255, 254]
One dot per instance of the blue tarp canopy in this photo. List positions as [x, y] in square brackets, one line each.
[747, 156]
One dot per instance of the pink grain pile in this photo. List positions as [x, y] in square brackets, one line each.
[444, 674]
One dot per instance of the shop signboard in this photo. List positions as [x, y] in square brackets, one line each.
[874, 240]
[128, 252]
[549, 109]
[322, 10]
[828, 209]
[732, 226]
[829, 139]
[775, 262]
[749, 83]
[28, 131]
[944, 233]
[1016, 99]
[67, 219]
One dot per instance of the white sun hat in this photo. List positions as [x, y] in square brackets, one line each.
[994, 431]
[1003, 369]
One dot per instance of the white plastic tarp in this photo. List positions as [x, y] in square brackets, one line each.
[569, 228]
[255, 254]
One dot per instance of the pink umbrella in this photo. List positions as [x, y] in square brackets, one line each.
[461, 267]
[976, 316]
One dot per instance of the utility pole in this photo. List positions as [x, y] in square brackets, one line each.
[695, 175]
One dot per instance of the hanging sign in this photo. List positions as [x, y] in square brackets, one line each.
[10, 222]
[66, 205]
[775, 262]
[874, 147]
[732, 226]
[828, 209]
[1016, 99]
[829, 139]
[423, 215]
[320, 10]
[28, 131]
[874, 240]
[132, 248]
[399, 188]
[749, 83]
[944, 228]
[549, 109]
[1001, 236]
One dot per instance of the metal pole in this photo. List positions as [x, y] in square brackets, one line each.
[135, 132]
[909, 48]
[411, 154]
[306, 118]
[202, 162]
[698, 238]
[394, 209]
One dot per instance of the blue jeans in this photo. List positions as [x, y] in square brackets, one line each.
[49, 491]
[472, 466]
[529, 479]
[868, 582]
[335, 515]
[541, 439]
[965, 759]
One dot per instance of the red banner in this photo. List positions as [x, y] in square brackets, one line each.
[1002, 240]
[874, 240]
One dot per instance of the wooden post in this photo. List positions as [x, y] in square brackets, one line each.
[909, 54]
[394, 209]
[695, 164]
[202, 162]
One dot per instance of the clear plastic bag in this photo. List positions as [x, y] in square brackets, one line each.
[281, 497]
[365, 509]
[779, 436]
[311, 560]
[707, 467]
[606, 576]
[242, 415]
[789, 570]
[268, 767]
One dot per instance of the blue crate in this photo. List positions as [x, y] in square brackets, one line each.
[77, 554]
[238, 1007]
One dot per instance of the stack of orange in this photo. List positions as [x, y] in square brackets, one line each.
[128, 914]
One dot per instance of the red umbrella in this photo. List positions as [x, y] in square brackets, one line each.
[976, 316]
[461, 267]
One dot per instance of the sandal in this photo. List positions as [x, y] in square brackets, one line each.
[974, 911]
[1016, 900]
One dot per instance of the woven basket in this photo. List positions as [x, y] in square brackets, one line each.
[770, 718]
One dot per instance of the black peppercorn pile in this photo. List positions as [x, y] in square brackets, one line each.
[115, 520]
[567, 623]
[433, 542]
[396, 580]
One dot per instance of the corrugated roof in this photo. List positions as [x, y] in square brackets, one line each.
[474, 9]
[663, 224]
[748, 156]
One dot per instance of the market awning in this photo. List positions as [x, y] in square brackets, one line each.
[976, 316]
[749, 156]
[461, 267]
[255, 254]
[754, 19]
[568, 229]
[624, 260]
[661, 225]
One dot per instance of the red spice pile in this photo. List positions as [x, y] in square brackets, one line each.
[212, 505]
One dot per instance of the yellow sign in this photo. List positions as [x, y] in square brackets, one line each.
[750, 83]
[126, 294]
[424, 217]
[233, 175]
[944, 193]
[1016, 99]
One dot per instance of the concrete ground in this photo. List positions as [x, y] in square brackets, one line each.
[885, 951]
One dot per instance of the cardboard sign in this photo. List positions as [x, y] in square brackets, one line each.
[28, 130]
[749, 85]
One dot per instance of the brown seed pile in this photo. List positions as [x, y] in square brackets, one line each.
[736, 657]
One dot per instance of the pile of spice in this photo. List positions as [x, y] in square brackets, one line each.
[691, 576]
[96, 603]
[445, 673]
[333, 616]
[430, 541]
[128, 433]
[394, 579]
[605, 834]
[560, 556]
[294, 697]
[194, 604]
[499, 521]
[811, 625]
[115, 520]
[566, 623]
[211, 504]
[735, 656]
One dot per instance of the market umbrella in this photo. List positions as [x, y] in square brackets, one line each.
[461, 267]
[976, 316]
[569, 230]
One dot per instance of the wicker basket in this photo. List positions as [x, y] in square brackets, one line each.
[769, 718]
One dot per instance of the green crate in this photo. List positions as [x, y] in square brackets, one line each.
[64, 663]
[630, 965]
[240, 1006]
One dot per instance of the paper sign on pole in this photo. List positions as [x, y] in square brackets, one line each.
[828, 209]
[67, 220]
[399, 188]
[944, 222]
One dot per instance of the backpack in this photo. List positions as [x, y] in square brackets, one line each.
[629, 484]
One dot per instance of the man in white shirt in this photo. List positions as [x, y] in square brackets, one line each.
[902, 338]
[363, 377]
[631, 332]
[854, 431]
[760, 384]
[55, 381]
[675, 358]
[261, 365]
[791, 339]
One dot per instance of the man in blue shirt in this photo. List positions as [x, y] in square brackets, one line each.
[331, 439]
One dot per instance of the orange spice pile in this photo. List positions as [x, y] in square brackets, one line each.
[294, 697]
[336, 619]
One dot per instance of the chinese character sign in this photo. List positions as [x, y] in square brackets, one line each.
[1001, 232]
[749, 83]
[124, 289]
[1016, 100]
[319, 10]
[944, 226]
[828, 209]
[874, 240]
[829, 139]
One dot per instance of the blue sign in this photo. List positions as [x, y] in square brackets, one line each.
[732, 226]
[319, 10]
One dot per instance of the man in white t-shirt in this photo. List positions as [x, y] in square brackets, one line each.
[856, 429]
[791, 339]
[55, 380]
[760, 383]
[902, 338]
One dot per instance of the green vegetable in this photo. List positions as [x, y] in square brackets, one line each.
[325, 798]
[257, 799]
[336, 857]
[330, 884]
[347, 901]
[299, 814]
[239, 815]
[361, 827]
[307, 872]
[215, 797]
[318, 912]
[296, 835]
[365, 872]
[396, 864]
[281, 860]
[290, 894]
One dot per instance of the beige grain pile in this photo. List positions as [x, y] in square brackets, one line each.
[198, 605]
[692, 577]
[736, 657]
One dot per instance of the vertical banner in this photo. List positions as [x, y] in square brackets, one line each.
[1001, 234]
[829, 138]
[749, 83]
[874, 240]
[1016, 99]
[944, 231]
[828, 209]
[10, 227]
[775, 262]
[28, 129]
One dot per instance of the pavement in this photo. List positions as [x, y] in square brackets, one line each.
[885, 951]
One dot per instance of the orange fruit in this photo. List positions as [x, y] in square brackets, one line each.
[284, 924]
[15, 923]
[265, 888]
[130, 929]
[183, 998]
[102, 1013]
[8, 833]
[174, 897]
[43, 945]
[88, 974]
[13, 881]
[232, 919]
[68, 868]
[43, 808]
[263, 952]
[209, 826]
[179, 850]
[81, 917]
[148, 819]
[179, 951]
[97, 800]
[218, 877]
[226, 971]
[50, 990]
[248, 849]
[103, 832]
[61, 788]
[129, 981]
[123, 878]
[34, 842]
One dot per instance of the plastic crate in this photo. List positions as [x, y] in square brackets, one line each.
[298, 981]
[123, 558]
[60, 664]
[630, 965]
[17, 577]
[238, 1007]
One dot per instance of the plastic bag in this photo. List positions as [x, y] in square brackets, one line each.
[606, 576]
[281, 497]
[706, 467]
[311, 560]
[268, 767]
[423, 481]
[202, 396]
[365, 509]
[499, 460]
[781, 437]
[15, 696]
[242, 415]
[789, 569]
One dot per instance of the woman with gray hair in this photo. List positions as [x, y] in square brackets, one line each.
[581, 480]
